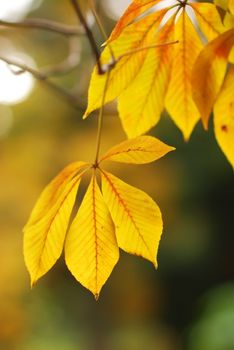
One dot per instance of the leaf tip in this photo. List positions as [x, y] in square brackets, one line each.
[171, 149]
[186, 139]
[86, 114]
[205, 124]
[155, 263]
[33, 283]
[186, 136]
[96, 296]
[186, 133]
[105, 43]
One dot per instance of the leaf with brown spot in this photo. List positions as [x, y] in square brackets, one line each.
[224, 117]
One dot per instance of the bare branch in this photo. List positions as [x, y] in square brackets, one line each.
[44, 24]
[89, 34]
[101, 27]
[43, 78]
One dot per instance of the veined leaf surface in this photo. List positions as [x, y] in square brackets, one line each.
[134, 37]
[141, 103]
[136, 216]
[53, 191]
[179, 100]
[208, 19]
[141, 150]
[45, 232]
[136, 8]
[91, 250]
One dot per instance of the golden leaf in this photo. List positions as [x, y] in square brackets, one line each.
[136, 8]
[179, 101]
[212, 60]
[134, 37]
[222, 4]
[208, 19]
[231, 6]
[141, 150]
[225, 5]
[91, 250]
[141, 103]
[136, 216]
[45, 231]
[224, 117]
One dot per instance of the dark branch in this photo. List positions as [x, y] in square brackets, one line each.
[89, 35]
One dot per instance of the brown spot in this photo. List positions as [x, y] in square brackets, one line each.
[224, 128]
[222, 51]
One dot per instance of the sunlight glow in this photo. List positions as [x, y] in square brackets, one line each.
[14, 88]
[14, 10]
[115, 9]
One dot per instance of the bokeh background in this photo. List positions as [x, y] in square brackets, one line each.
[188, 303]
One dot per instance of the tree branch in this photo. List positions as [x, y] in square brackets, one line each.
[44, 24]
[89, 36]
[101, 28]
[43, 78]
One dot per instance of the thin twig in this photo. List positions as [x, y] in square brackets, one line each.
[101, 28]
[43, 79]
[44, 24]
[89, 35]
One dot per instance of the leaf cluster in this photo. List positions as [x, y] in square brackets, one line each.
[159, 66]
[119, 216]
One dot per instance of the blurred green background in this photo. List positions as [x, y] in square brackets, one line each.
[189, 302]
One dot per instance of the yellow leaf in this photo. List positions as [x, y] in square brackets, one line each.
[228, 21]
[224, 117]
[91, 250]
[208, 19]
[225, 4]
[222, 3]
[142, 102]
[179, 101]
[136, 8]
[212, 60]
[141, 150]
[136, 36]
[53, 191]
[231, 6]
[136, 216]
[45, 231]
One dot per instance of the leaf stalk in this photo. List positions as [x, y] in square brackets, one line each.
[100, 121]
